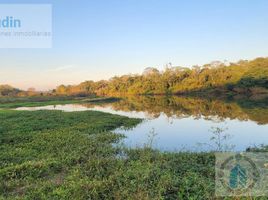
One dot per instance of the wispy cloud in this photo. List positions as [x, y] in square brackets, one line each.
[62, 68]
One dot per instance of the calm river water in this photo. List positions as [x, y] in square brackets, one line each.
[189, 124]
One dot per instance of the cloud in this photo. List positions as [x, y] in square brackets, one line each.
[62, 68]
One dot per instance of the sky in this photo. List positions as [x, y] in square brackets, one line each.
[98, 39]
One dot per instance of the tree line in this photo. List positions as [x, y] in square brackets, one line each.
[241, 77]
[246, 77]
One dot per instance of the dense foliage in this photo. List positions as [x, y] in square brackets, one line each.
[243, 77]
[248, 77]
[7, 90]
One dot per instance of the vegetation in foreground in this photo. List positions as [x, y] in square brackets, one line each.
[59, 155]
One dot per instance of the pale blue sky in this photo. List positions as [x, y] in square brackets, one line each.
[97, 39]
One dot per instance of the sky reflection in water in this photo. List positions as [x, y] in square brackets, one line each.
[185, 123]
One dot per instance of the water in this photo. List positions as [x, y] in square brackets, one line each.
[179, 123]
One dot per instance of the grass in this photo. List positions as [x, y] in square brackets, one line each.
[9, 103]
[61, 155]
[42, 149]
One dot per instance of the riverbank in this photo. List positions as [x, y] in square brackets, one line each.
[76, 155]
[57, 155]
[9, 103]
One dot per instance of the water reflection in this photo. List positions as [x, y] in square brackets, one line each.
[177, 107]
[183, 123]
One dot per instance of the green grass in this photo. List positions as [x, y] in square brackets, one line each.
[35, 99]
[39, 149]
[61, 155]
[9, 103]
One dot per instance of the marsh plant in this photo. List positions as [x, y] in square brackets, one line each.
[219, 141]
[151, 139]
